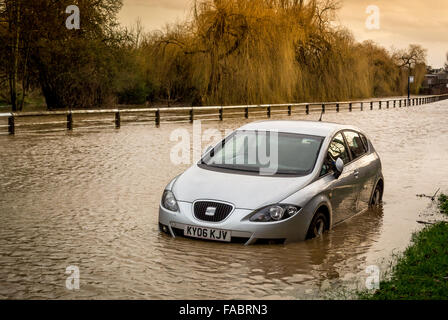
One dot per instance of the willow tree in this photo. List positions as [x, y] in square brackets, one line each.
[267, 51]
[244, 51]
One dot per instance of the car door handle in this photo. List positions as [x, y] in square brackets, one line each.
[356, 174]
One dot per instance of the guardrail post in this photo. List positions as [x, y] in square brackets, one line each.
[395, 103]
[362, 106]
[381, 105]
[307, 109]
[221, 114]
[323, 108]
[337, 107]
[191, 115]
[371, 105]
[157, 117]
[387, 104]
[289, 110]
[11, 125]
[350, 107]
[70, 121]
[117, 119]
[246, 112]
[269, 111]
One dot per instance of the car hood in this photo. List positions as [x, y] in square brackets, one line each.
[242, 190]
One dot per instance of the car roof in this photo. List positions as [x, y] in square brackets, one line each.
[315, 128]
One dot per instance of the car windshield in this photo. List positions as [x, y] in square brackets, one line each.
[266, 152]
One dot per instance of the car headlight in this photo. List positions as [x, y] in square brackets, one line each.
[169, 201]
[274, 213]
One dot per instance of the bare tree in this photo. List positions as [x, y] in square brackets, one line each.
[409, 58]
[446, 63]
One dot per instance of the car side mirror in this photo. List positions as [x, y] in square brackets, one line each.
[339, 168]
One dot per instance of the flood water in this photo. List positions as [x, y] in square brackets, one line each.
[90, 199]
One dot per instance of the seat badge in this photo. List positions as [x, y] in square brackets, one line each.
[210, 211]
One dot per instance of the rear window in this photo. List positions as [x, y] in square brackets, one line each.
[355, 144]
[366, 142]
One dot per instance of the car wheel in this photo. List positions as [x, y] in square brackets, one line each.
[377, 197]
[317, 226]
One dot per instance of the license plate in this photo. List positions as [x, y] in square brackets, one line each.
[207, 233]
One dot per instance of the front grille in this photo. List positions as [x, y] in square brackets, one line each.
[221, 211]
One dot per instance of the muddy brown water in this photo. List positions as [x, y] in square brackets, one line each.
[90, 199]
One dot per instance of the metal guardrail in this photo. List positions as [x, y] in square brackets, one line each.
[219, 111]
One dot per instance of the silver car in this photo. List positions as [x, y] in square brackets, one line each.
[274, 182]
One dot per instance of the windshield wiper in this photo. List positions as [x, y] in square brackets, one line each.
[231, 168]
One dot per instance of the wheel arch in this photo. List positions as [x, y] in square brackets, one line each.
[379, 182]
[324, 208]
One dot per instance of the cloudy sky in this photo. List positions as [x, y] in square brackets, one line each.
[401, 21]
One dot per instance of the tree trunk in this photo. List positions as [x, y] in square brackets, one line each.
[14, 21]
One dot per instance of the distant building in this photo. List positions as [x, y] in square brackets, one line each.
[436, 82]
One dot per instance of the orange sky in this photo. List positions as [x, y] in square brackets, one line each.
[402, 21]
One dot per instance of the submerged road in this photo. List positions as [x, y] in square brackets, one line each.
[90, 199]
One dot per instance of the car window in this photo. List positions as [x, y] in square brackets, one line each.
[355, 144]
[336, 150]
[364, 139]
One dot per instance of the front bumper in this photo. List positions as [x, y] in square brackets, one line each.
[242, 230]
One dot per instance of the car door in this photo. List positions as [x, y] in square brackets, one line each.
[365, 166]
[343, 191]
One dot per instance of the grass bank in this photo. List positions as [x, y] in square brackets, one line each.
[422, 271]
